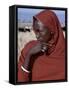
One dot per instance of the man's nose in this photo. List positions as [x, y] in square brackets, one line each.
[37, 35]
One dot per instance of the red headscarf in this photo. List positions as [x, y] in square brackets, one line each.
[50, 20]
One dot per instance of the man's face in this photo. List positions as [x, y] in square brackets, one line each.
[42, 33]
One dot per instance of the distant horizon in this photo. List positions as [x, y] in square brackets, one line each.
[26, 15]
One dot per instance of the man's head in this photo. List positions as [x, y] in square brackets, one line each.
[42, 32]
[48, 29]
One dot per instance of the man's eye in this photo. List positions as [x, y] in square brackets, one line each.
[42, 32]
[37, 30]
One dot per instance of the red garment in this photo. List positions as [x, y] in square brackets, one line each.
[51, 66]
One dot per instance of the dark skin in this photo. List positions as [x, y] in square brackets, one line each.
[43, 36]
